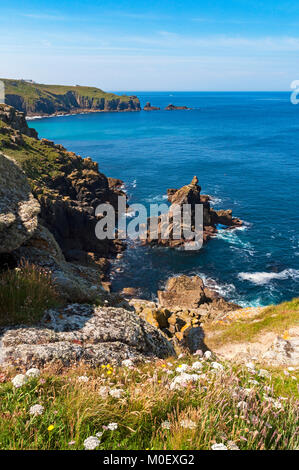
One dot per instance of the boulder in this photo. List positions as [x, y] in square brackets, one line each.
[149, 107]
[18, 208]
[83, 333]
[172, 107]
[183, 292]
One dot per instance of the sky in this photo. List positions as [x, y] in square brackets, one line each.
[156, 45]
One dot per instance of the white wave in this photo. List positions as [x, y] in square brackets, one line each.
[215, 200]
[160, 197]
[261, 278]
[230, 236]
[225, 290]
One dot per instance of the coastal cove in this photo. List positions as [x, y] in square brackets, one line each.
[243, 150]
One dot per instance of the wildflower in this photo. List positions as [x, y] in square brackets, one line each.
[188, 423]
[104, 391]
[182, 368]
[34, 372]
[112, 426]
[286, 372]
[51, 427]
[249, 365]
[293, 377]
[207, 355]
[242, 405]
[165, 425]
[99, 434]
[36, 410]
[116, 392]
[83, 378]
[109, 372]
[19, 380]
[219, 446]
[71, 443]
[197, 365]
[264, 373]
[183, 379]
[291, 369]
[127, 363]
[217, 366]
[253, 382]
[91, 443]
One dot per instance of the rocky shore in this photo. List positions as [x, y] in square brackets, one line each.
[47, 200]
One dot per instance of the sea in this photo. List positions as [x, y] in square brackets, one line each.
[244, 149]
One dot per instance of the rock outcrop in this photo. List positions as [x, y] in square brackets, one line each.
[67, 187]
[170, 230]
[83, 333]
[172, 107]
[181, 311]
[149, 107]
[18, 208]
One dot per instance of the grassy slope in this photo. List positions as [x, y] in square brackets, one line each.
[39, 161]
[34, 91]
[75, 410]
[275, 318]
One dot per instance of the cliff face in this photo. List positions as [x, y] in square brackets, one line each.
[38, 99]
[67, 187]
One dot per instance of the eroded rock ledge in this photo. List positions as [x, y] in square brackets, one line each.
[83, 333]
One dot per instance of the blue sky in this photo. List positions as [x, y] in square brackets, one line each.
[152, 45]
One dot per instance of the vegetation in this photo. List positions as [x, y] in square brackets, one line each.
[25, 293]
[137, 408]
[275, 318]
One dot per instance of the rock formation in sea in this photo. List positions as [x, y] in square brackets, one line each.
[149, 107]
[172, 107]
[191, 195]
[39, 99]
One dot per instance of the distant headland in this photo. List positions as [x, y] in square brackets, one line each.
[37, 99]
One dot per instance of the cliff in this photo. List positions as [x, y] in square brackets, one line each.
[40, 99]
[67, 187]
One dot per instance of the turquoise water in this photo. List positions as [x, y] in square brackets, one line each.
[244, 149]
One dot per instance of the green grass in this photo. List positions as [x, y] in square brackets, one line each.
[275, 318]
[25, 293]
[76, 410]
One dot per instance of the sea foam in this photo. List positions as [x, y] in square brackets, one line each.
[260, 278]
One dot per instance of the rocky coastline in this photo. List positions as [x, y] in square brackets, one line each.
[48, 197]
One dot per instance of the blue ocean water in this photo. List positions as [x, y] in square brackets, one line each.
[244, 149]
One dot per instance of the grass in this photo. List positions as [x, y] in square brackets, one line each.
[210, 408]
[275, 318]
[25, 293]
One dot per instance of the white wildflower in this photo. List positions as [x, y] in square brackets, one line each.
[294, 377]
[197, 365]
[91, 443]
[165, 425]
[104, 391]
[182, 368]
[19, 380]
[188, 423]
[183, 380]
[127, 363]
[207, 355]
[250, 365]
[219, 447]
[112, 426]
[242, 405]
[83, 378]
[99, 434]
[116, 392]
[33, 373]
[291, 369]
[264, 373]
[217, 366]
[253, 382]
[36, 410]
